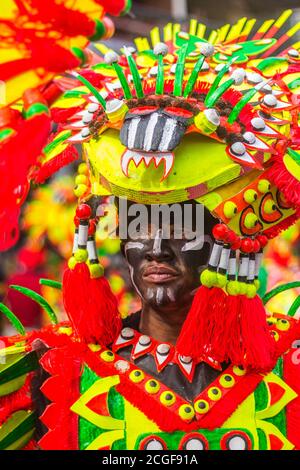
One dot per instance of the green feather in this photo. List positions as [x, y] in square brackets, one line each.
[218, 93]
[278, 290]
[240, 105]
[123, 80]
[193, 77]
[50, 283]
[13, 319]
[179, 73]
[135, 75]
[218, 78]
[159, 90]
[92, 89]
[294, 307]
[39, 300]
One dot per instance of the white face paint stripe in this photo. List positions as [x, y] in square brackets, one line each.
[167, 134]
[157, 242]
[149, 131]
[170, 294]
[159, 295]
[133, 246]
[132, 280]
[132, 132]
[198, 243]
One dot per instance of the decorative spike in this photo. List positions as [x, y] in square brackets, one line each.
[262, 30]
[160, 50]
[179, 73]
[285, 37]
[135, 73]
[223, 31]
[50, 283]
[237, 78]
[279, 23]
[242, 103]
[247, 30]
[111, 58]
[236, 29]
[91, 87]
[38, 299]
[218, 78]
[155, 36]
[13, 319]
[193, 27]
[213, 36]
[201, 31]
[168, 32]
[193, 77]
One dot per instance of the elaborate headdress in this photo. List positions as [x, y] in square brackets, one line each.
[215, 120]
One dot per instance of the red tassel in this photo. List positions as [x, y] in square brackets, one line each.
[229, 329]
[91, 306]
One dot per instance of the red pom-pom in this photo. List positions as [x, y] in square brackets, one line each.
[76, 221]
[236, 244]
[263, 240]
[230, 237]
[83, 211]
[220, 231]
[246, 245]
[256, 246]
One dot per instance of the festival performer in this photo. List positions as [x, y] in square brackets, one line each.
[207, 122]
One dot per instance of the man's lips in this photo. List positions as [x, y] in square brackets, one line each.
[159, 273]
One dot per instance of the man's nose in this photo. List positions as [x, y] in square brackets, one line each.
[159, 249]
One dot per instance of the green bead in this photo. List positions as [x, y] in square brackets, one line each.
[233, 287]
[221, 280]
[99, 31]
[251, 291]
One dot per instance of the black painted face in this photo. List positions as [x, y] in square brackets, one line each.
[165, 272]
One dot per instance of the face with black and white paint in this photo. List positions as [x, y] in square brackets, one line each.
[165, 271]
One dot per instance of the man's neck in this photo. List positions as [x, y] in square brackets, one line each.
[165, 327]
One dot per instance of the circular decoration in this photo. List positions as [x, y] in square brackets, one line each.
[163, 349]
[122, 366]
[239, 370]
[194, 441]
[250, 195]
[144, 340]
[244, 215]
[136, 376]
[201, 406]
[152, 443]
[229, 209]
[283, 324]
[127, 333]
[167, 398]
[107, 356]
[214, 393]
[152, 386]
[227, 381]
[186, 412]
[236, 440]
[263, 186]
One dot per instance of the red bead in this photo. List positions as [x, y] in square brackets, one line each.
[246, 245]
[256, 245]
[220, 231]
[230, 237]
[76, 221]
[236, 245]
[83, 211]
[92, 227]
[263, 240]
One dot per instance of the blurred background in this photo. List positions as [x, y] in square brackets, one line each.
[47, 220]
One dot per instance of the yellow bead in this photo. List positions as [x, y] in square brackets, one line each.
[250, 196]
[81, 255]
[96, 270]
[201, 406]
[186, 412]
[233, 287]
[65, 330]
[204, 124]
[83, 169]
[167, 398]
[283, 324]
[243, 288]
[94, 347]
[229, 209]
[270, 206]
[152, 386]
[257, 284]
[80, 190]
[251, 291]
[221, 280]
[107, 356]
[81, 179]
[263, 186]
[250, 220]
[214, 393]
[136, 376]
[227, 381]
[72, 262]
[208, 278]
[238, 370]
